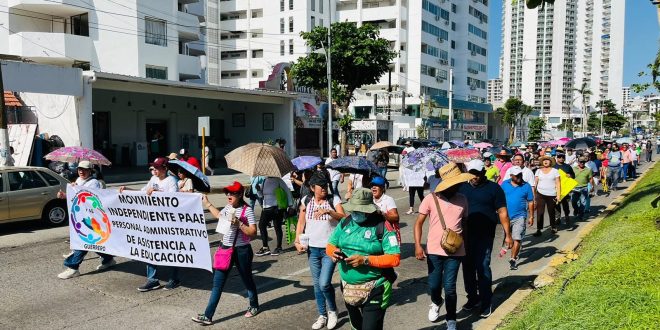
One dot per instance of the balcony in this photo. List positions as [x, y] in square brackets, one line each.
[63, 8]
[188, 26]
[51, 48]
[190, 67]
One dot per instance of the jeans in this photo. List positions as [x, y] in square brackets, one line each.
[335, 188]
[587, 203]
[477, 275]
[271, 213]
[579, 198]
[152, 272]
[624, 171]
[242, 258]
[542, 202]
[613, 176]
[73, 261]
[633, 169]
[649, 155]
[411, 194]
[371, 315]
[382, 171]
[443, 272]
[322, 268]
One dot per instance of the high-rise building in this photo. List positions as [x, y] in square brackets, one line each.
[548, 53]
[625, 95]
[495, 91]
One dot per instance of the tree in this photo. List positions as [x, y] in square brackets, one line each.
[612, 119]
[654, 73]
[584, 92]
[512, 113]
[531, 4]
[536, 126]
[593, 123]
[358, 57]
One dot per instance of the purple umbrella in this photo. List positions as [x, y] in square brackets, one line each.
[353, 164]
[75, 154]
[305, 162]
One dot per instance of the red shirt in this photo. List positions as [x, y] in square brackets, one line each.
[194, 162]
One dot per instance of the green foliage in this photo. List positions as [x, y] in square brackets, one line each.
[421, 131]
[345, 122]
[654, 74]
[358, 57]
[512, 113]
[536, 126]
[612, 120]
[593, 123]
[532, 4]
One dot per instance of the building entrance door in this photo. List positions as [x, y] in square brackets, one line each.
[157, 138]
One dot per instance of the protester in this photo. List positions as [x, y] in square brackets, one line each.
[98, 175]
[486, 206]
[207, 161]
[571, 157]
[335, 177]
[520, 206]
[433, 179]
[254, 191]
[649, 151]
[580, 197]
[243, 228]
[385, 203]
[626, 162]
[73, 260]
[185, 183]
[564, 203]
[415, 182]
[382, 159]
[527, 174]
[271, 211]
[186, 157]
[492, 172]
[363, 254]
[503, 163]
[614, 162]
[634, 161]
[318, 218]
[160, 182]
[548, 193]
[446, 208]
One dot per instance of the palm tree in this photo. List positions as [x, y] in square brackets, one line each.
[584, 92]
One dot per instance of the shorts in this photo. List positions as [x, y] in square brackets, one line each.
[518, 227]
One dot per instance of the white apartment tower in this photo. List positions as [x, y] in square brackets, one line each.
[495, 91]
[548, 53]
[625, 96]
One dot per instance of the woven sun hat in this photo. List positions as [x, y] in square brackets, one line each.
[550, 158]
[451, 175]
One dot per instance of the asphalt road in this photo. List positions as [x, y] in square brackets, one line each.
[33, 296]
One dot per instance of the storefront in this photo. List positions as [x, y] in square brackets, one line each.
[367, 132]
[469, 122]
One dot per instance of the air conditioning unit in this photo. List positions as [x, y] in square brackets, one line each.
[440, 40]
[473, 53]
[437, 17]
[439, 79]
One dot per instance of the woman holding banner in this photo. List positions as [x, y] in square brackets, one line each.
[242, 229]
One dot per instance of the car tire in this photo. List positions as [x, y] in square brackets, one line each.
[55, 213]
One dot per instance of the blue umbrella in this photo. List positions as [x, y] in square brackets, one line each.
[424, 159]
[353, 164]
[199, 180]
[458, 143]
[305, 162]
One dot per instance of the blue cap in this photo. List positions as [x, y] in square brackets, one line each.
[378, 181]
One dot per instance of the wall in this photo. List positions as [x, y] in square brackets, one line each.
[57, 115]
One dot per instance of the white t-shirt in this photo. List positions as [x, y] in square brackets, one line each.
[269, 186]
[385, 203]
[248, 219]
[356, 179]
[166, 185]
[414, 179]
[334, 175]
[570, 159]
[90, 183]
[528, 176]
[185, 185]
[319, 229]
[547, 182]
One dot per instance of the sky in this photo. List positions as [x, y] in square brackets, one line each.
[640, 45]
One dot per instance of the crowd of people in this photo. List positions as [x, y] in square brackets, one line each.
[359, 233]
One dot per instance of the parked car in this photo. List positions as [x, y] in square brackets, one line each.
[29, 193]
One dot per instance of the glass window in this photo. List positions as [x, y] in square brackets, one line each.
[281, 25]
[290, 4]
[157, 72]
[313, 4]
[290, 24]
[321, 6]
[281, 47]
[313, 20]
[290, 46]
[49, 178]
[2, 183]
[80, 25]
[22, 180]
[155, 31]
[281, 5]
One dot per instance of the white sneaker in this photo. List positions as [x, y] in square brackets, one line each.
[106, 265]
[451, 324]
[68, 273]
[332, 320]
[320, 323]
[434, 312]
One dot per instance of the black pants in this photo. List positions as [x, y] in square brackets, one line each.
[543, 201]
[371, 315]
[564, 204]
[411, 194]
[477, 274]
[268, 214]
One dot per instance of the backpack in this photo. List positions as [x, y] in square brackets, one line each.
[388, 273]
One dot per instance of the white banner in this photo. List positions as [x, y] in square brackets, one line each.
[162, 229]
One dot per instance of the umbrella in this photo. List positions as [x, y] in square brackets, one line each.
[305, 162]
[424, 159]
[482, 145]
[257, 159]
[75, 154]
[199, 180]
[457, 143]
[624, 140]
[445, 146]
[559, 142]
[462, 155]
[581, 143]
[381, 145]
[516, 144]
[353, 164]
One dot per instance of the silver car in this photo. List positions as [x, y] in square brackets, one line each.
[28, 193]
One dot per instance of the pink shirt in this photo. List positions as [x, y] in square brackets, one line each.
[504, 168]
[627, 157]
[453, 212]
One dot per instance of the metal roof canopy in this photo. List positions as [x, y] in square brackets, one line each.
[463, 105]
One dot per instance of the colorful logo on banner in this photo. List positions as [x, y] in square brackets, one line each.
[89, 220]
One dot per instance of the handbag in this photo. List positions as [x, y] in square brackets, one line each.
[357, 294]
[451, 241]
[222, 257]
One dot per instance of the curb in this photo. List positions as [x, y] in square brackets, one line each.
[547, 274]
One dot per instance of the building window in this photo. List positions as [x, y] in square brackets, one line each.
[155, 31]
[281, 5]
[434, 30]
[453, 8]
[290, 46]
[453, 44]
[156, 72]
[453, 26]
[321, 6]
[321, 22]
[281, 25]
[80, 25]
[290, 4]
[313, 4]
[290, 24]
[313, 20]
[281, 47]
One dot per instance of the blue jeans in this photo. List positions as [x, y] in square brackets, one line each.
[624, 171]
[322, 267]
[73, 261]
[242, 258]
[443, 272]
[382, 171]
[613, 176]
[335, 188]
[587, 204]
[477, 275]
[152, 271]
[579, 198]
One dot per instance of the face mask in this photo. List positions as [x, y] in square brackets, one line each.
[359, 217]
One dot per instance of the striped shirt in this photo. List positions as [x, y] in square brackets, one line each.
[247, 219]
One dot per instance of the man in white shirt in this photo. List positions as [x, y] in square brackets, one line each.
[527, 174]
[571, 157]
[272, 212]
[73, 260]
[335, 176]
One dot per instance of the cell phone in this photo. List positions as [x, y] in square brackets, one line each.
[341, 255]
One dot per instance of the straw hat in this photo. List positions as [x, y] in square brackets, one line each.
[173, 156]
[451, 175]
[544, 157]
[361, 201]
[503, 153]
[86, 164]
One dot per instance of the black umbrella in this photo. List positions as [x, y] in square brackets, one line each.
[199, 180]
[580, 143]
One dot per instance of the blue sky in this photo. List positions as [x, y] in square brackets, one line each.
[641, 38]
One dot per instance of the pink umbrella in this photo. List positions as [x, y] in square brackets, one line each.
[76, 154]
[559, 142]
[482, 145]
[462, 155]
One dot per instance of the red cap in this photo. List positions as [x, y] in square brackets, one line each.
[235, 187]
[159, 162]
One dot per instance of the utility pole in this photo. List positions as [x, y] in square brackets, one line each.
[451, 98]
[389, 93]
[5, 156]
[329, 73]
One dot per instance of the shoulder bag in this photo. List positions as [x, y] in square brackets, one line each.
[222, 257]
[451, 241]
